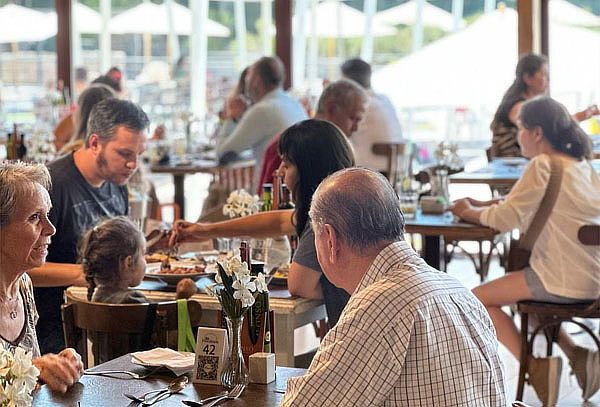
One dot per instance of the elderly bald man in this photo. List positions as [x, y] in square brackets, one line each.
[410, 335]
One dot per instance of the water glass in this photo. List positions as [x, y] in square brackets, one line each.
[408, 204]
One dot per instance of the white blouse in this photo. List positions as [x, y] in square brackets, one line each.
[564, 265]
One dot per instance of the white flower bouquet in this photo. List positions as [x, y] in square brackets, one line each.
[240, 203]
[18, 378]
[235, 288]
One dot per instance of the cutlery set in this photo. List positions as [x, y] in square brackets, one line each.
[154, 396]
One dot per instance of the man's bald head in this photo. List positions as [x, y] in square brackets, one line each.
[361, 206]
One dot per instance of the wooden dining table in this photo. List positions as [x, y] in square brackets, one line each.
[236, 174]
[436, 227]
[500, 172]
[107, 391]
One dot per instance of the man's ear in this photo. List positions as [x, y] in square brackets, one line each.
[94, 142]
[333, 242]
[128, 262]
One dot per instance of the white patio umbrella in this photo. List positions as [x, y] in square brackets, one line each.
[474, 67]
[561, 11]
[406, 13]
[352, 22]
[25, 24]
[152, 18]
[86, 19]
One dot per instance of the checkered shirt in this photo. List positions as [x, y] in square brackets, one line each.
[409, 336]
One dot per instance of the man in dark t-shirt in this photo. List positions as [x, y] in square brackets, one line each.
[87, 185]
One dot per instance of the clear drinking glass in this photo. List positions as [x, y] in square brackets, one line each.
[408, 204]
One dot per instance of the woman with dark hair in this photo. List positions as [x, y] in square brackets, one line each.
[561, 270]
[87, 100]
[531, 79]
[311, 150]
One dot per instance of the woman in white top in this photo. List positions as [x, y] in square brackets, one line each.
[561, 269]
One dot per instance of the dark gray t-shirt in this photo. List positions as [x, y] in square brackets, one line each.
[306, 255]
[76, 207]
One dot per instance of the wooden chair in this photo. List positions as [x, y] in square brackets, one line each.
[117, 329]
[550, 316]
[398, 159]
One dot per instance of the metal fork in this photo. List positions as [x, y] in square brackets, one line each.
[125, 372]
[233, 394]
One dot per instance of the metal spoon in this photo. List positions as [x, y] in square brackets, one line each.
[174, 387]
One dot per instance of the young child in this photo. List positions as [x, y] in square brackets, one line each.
[112, 254]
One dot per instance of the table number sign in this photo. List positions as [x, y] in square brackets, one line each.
[211, 353]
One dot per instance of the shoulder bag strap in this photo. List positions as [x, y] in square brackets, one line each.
[547, 204]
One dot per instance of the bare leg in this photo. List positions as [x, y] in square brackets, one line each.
[566, 344]
[503, 291]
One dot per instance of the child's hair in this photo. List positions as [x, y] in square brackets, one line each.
[105, 246]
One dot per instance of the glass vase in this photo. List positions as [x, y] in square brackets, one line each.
[235, 371]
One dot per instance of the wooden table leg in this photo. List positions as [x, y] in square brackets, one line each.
[178, 181]
[431, 251]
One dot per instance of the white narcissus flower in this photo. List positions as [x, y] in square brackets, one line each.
[245, 296]
[244, 282]
[261, 284]
[5, 363]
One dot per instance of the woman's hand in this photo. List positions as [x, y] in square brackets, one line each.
[592, 110]
[460, 206]
[60, 371]
[235, 107]
[184, 231]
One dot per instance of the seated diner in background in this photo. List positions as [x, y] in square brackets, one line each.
[272, 110]
[531, 80]
[409, 335]
[310, 150]
[561, 269]
[342, 103]
[25, 233]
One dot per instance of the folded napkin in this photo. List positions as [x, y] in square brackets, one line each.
[178, 362]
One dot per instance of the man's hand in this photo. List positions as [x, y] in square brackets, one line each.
[592, 110]
[60, 371]
[460, 207]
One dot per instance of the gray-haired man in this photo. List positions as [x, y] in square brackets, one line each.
[87, 185]
[410, 335]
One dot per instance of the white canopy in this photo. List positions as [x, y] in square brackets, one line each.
[25, 24]
[406, 14]
[561, 11]
[152, 18]
[351, 22]
[86, 19]
[474, 67]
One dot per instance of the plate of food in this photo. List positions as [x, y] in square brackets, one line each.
[175, 270]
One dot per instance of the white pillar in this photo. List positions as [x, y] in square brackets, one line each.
[417, 43]
[239, 16]
[490, 6]
[366, 51]
[198, 56]
[313, 58]
[105, 45]
[266, 17]
[299, 45]
[172, 36]
[75, 40]
[457, 13]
